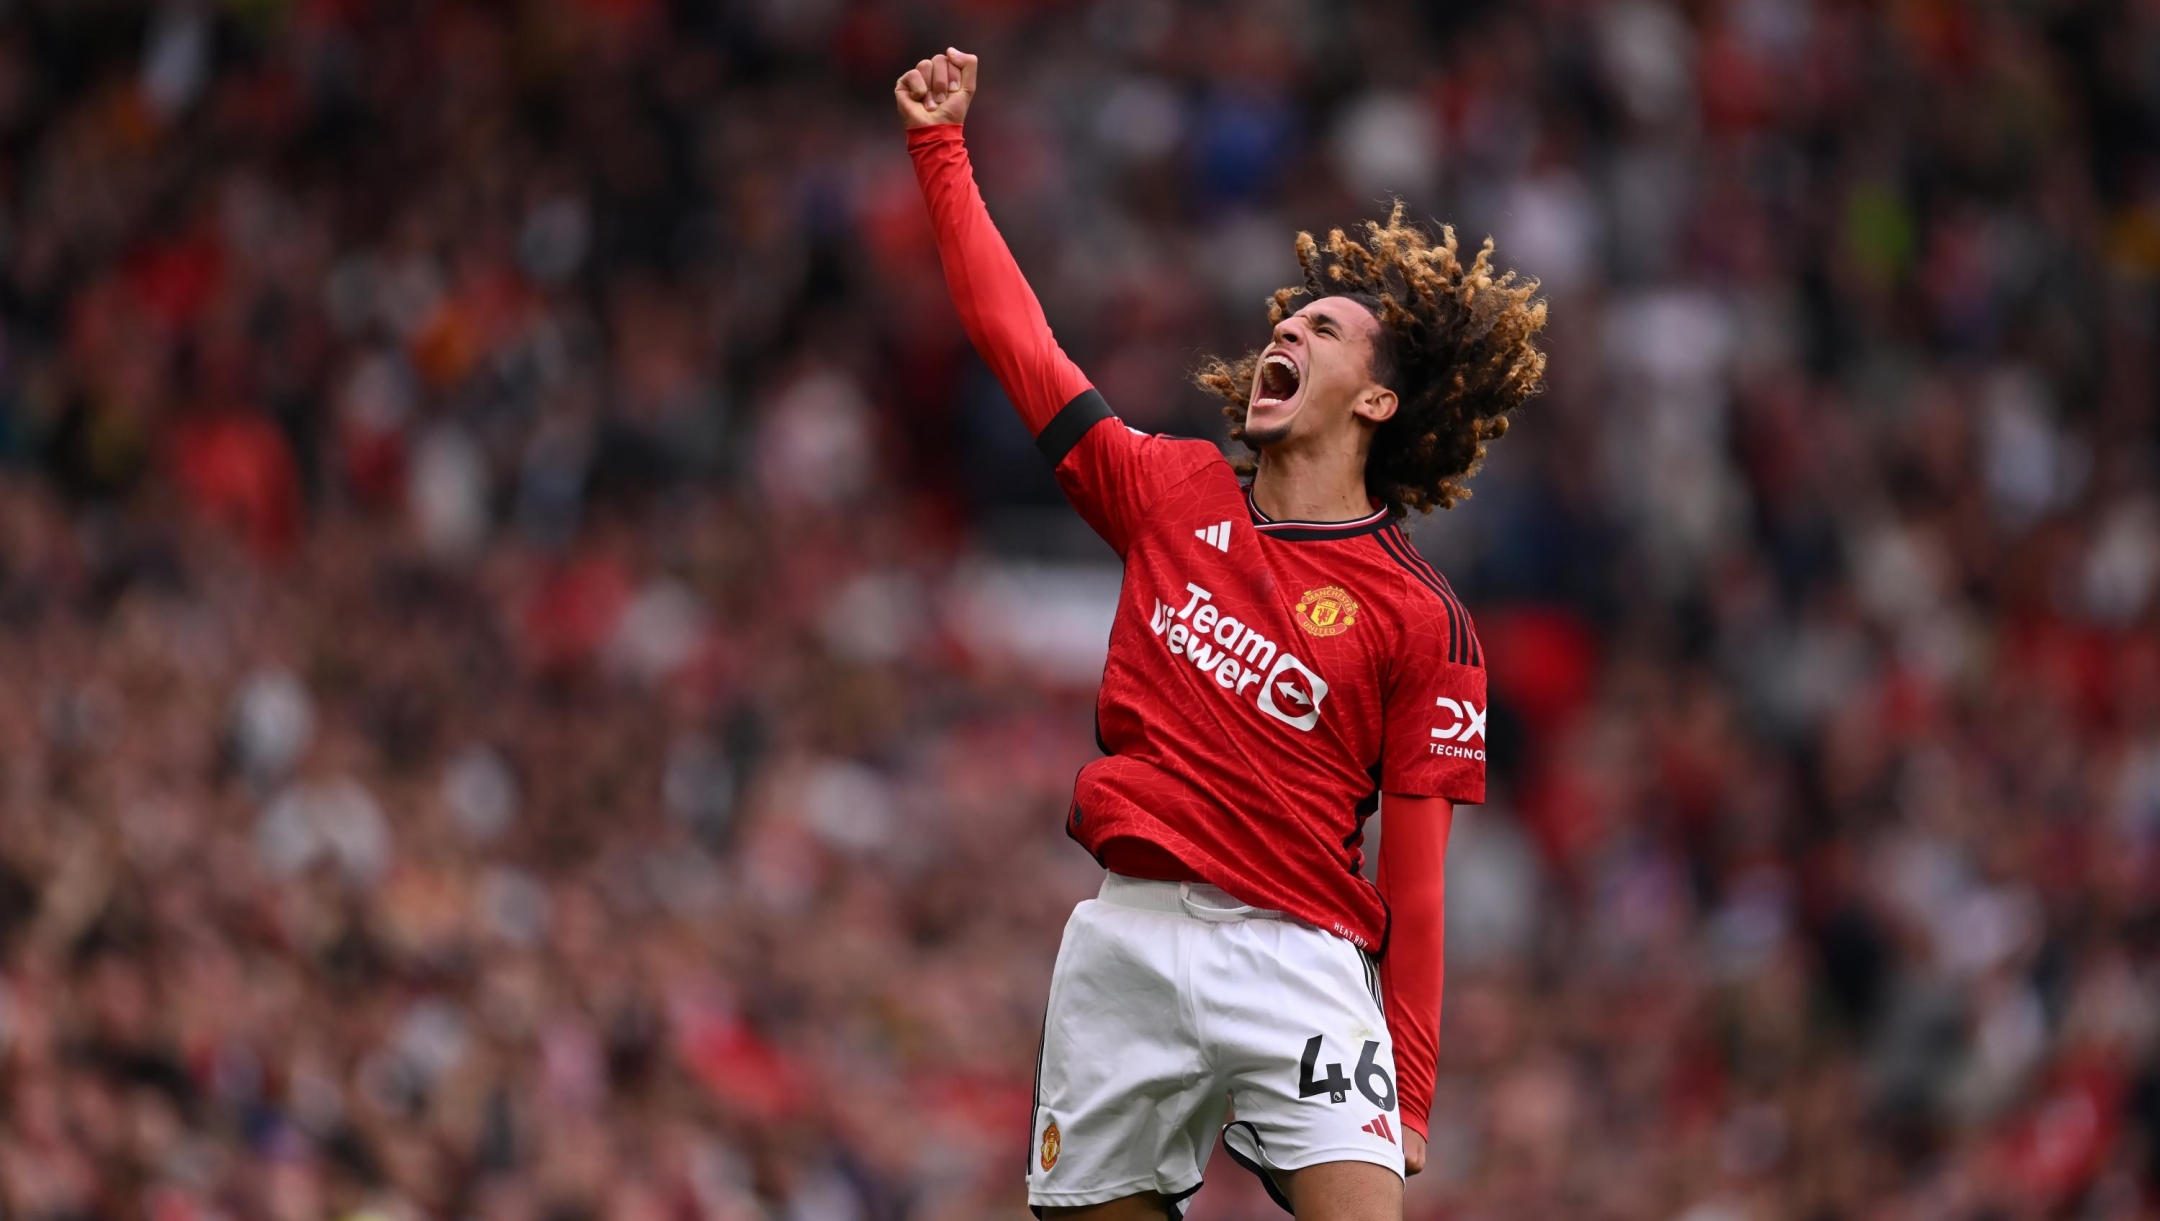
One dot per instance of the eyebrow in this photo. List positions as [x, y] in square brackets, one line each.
[1320, 320]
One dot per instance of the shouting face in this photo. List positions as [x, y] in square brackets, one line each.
[1318, 376]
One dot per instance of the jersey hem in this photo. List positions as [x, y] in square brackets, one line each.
[1359, 917]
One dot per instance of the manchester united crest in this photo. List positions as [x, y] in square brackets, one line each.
[1326, 611]
[1051, 1145]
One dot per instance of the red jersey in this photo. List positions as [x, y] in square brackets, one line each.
[1266, 680]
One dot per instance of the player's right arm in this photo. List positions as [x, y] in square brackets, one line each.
[1107, 472]
[999, 310]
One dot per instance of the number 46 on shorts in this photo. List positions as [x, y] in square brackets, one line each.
[1336, 1086]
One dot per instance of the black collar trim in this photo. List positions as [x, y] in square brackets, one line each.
[1313, 531]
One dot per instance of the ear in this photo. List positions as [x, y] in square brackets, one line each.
[1375, 405]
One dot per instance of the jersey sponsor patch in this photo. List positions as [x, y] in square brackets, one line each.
[1291, 693]
[1239, 657]
[1465, 722]
[1379, 1127]
[1216, 536]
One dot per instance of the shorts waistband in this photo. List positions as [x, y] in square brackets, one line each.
[1196, 899]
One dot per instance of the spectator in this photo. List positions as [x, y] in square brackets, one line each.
[539, 681]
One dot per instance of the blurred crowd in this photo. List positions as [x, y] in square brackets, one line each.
[538, 677]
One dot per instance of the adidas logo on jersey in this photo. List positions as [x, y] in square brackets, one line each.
[1216, 536]
[1381, 1128]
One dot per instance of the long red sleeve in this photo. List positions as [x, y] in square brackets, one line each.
[1413, 880]
[999, 310]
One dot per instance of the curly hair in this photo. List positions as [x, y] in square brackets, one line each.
[1456, 344]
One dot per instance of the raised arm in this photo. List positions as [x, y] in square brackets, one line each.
[999, 310]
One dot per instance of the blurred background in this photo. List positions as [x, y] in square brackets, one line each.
[539, 676]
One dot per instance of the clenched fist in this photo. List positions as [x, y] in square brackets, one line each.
[937, 90]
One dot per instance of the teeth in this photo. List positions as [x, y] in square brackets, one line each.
[1278, 371]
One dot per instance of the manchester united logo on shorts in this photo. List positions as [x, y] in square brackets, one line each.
[1326, 611]
[1051, 1145]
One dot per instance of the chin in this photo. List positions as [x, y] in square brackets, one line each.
[1270, 424]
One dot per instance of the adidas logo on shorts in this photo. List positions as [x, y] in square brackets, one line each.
[1379, 1127]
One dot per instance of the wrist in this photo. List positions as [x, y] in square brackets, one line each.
[933, 133]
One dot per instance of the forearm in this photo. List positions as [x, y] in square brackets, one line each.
[1413, 881]
[998, 309]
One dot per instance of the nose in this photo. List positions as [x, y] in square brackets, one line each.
[1287, 332]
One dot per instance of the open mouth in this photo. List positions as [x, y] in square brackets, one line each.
[1279, 379]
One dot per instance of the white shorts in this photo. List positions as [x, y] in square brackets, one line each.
[1172, 1007]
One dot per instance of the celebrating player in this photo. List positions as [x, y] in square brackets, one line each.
[1280, 657]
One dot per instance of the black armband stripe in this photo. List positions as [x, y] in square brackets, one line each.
[1071, 423]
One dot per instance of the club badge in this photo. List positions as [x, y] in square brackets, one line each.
[1326, 611]
[1050, 1146]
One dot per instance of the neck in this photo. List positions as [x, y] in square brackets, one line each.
[1311, 483]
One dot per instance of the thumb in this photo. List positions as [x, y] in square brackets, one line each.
[967, 65]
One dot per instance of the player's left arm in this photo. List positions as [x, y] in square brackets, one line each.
[1432, 758]
[1413, 881]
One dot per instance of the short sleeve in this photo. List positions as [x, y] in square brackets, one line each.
[1115, 474]
[1433, 724]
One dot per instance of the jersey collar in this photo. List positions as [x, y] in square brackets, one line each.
[1312, 531]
